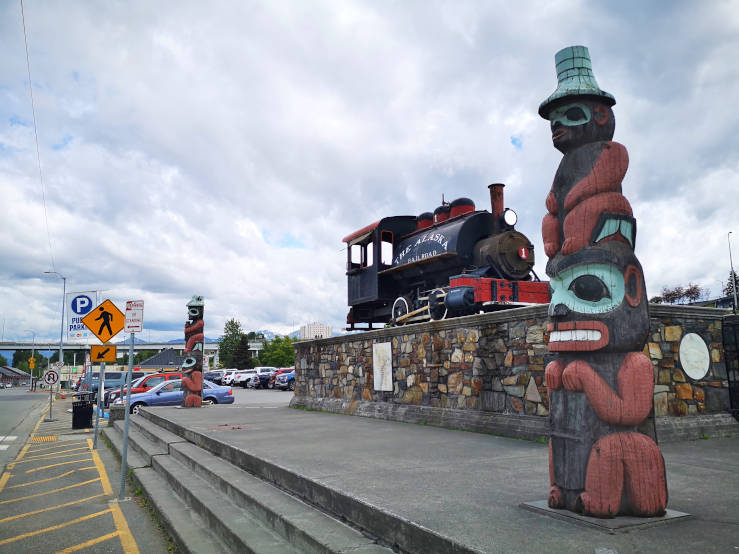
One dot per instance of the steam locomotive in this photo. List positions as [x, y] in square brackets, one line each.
[456, 261]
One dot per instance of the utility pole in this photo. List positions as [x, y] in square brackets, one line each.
[733, 275]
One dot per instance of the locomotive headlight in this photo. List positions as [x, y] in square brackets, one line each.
[510, 217]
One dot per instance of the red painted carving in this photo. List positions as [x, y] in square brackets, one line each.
[602, 459]
[192, 366]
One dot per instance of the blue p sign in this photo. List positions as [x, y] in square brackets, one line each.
[81, 304]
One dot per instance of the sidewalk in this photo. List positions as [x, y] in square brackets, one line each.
[60, 495]
[465, 486]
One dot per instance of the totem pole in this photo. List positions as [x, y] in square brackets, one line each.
[192, 366]
[603, 460]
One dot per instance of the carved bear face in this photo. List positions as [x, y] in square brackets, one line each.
[598, 300]
[580, 120]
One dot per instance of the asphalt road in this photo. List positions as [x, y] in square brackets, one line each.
[262, 398]
[19, 412]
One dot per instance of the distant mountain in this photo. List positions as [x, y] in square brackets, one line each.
[136, 340]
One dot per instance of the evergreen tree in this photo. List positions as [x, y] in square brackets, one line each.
[3, 360]
[241, 356]
[732, 284]
[232, 334]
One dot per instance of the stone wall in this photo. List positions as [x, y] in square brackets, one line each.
[478, 372]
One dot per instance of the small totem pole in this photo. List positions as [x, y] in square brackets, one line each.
[603, 460]
[192, 366]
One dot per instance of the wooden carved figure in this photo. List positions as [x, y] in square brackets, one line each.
[192, 366]
[603, 459]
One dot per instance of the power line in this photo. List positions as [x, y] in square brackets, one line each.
[35, 132]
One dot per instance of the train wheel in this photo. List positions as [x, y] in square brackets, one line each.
[400, 307]
[437, 309]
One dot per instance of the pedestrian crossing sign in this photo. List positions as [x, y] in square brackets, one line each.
[105, 321]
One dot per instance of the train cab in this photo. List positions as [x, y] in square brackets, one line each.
[370, 251]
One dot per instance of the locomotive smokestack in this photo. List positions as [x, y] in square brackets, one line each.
[497, 203]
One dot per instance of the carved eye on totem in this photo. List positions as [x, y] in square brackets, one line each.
[570, 115]
[576, 116]
[589, 288]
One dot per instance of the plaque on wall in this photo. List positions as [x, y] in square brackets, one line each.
[382, 363]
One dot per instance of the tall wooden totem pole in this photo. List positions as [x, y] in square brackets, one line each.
[192, 366]
[603, 460]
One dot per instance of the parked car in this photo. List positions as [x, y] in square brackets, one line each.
[243, 377]
[142, 384]
[214, 376]
[169, 393]
[228, 377]
[263, 375]
[273, 377]
[286, 381]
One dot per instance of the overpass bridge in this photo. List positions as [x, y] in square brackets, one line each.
[123, 347]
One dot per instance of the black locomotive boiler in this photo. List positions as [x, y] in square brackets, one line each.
[456, 261]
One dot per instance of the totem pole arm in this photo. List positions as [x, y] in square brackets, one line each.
[635, 388]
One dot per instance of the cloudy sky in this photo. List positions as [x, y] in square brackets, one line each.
[225, 148]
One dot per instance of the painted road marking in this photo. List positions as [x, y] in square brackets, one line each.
[53, 527]
[70, 451]
[90, 543]
[7, 438]
[50, 492]
[4, 480]
[57, 465]
[47, 479]
[50, 508]
[55, 454]
[124, 533]
[107, 489]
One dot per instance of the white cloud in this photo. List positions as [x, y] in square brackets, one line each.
[226, 149]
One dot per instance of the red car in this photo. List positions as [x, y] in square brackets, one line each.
[143, 384]
[271, 384]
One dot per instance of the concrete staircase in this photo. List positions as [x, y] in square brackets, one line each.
[209, 504]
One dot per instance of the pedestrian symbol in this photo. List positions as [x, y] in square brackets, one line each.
[105, 321]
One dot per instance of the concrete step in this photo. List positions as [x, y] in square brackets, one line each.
[307, 528]
[141, 443]
[239, 530]
[153, 432]
[190, 532]
[374, 521]
[134, 459]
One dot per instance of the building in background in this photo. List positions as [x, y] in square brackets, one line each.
[315, 331]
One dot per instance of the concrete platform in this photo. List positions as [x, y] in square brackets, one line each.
[612, 525]
[433, 489]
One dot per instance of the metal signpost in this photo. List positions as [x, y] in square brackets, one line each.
[105, 322]
[51, 378]
[134, 323]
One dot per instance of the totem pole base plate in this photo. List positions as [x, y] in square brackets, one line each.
[620, 524]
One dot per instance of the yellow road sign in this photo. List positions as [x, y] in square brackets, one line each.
[32, 363]
[105, 321]
[103, 353]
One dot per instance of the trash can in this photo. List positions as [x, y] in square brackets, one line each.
[81, 414]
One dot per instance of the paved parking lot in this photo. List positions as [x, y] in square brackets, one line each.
[262, 398]
[60, 495]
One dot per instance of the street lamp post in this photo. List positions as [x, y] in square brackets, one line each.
[61, 331]
[64, 301]
[733, 275]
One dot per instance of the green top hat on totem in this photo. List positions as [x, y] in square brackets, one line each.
[575, 78]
